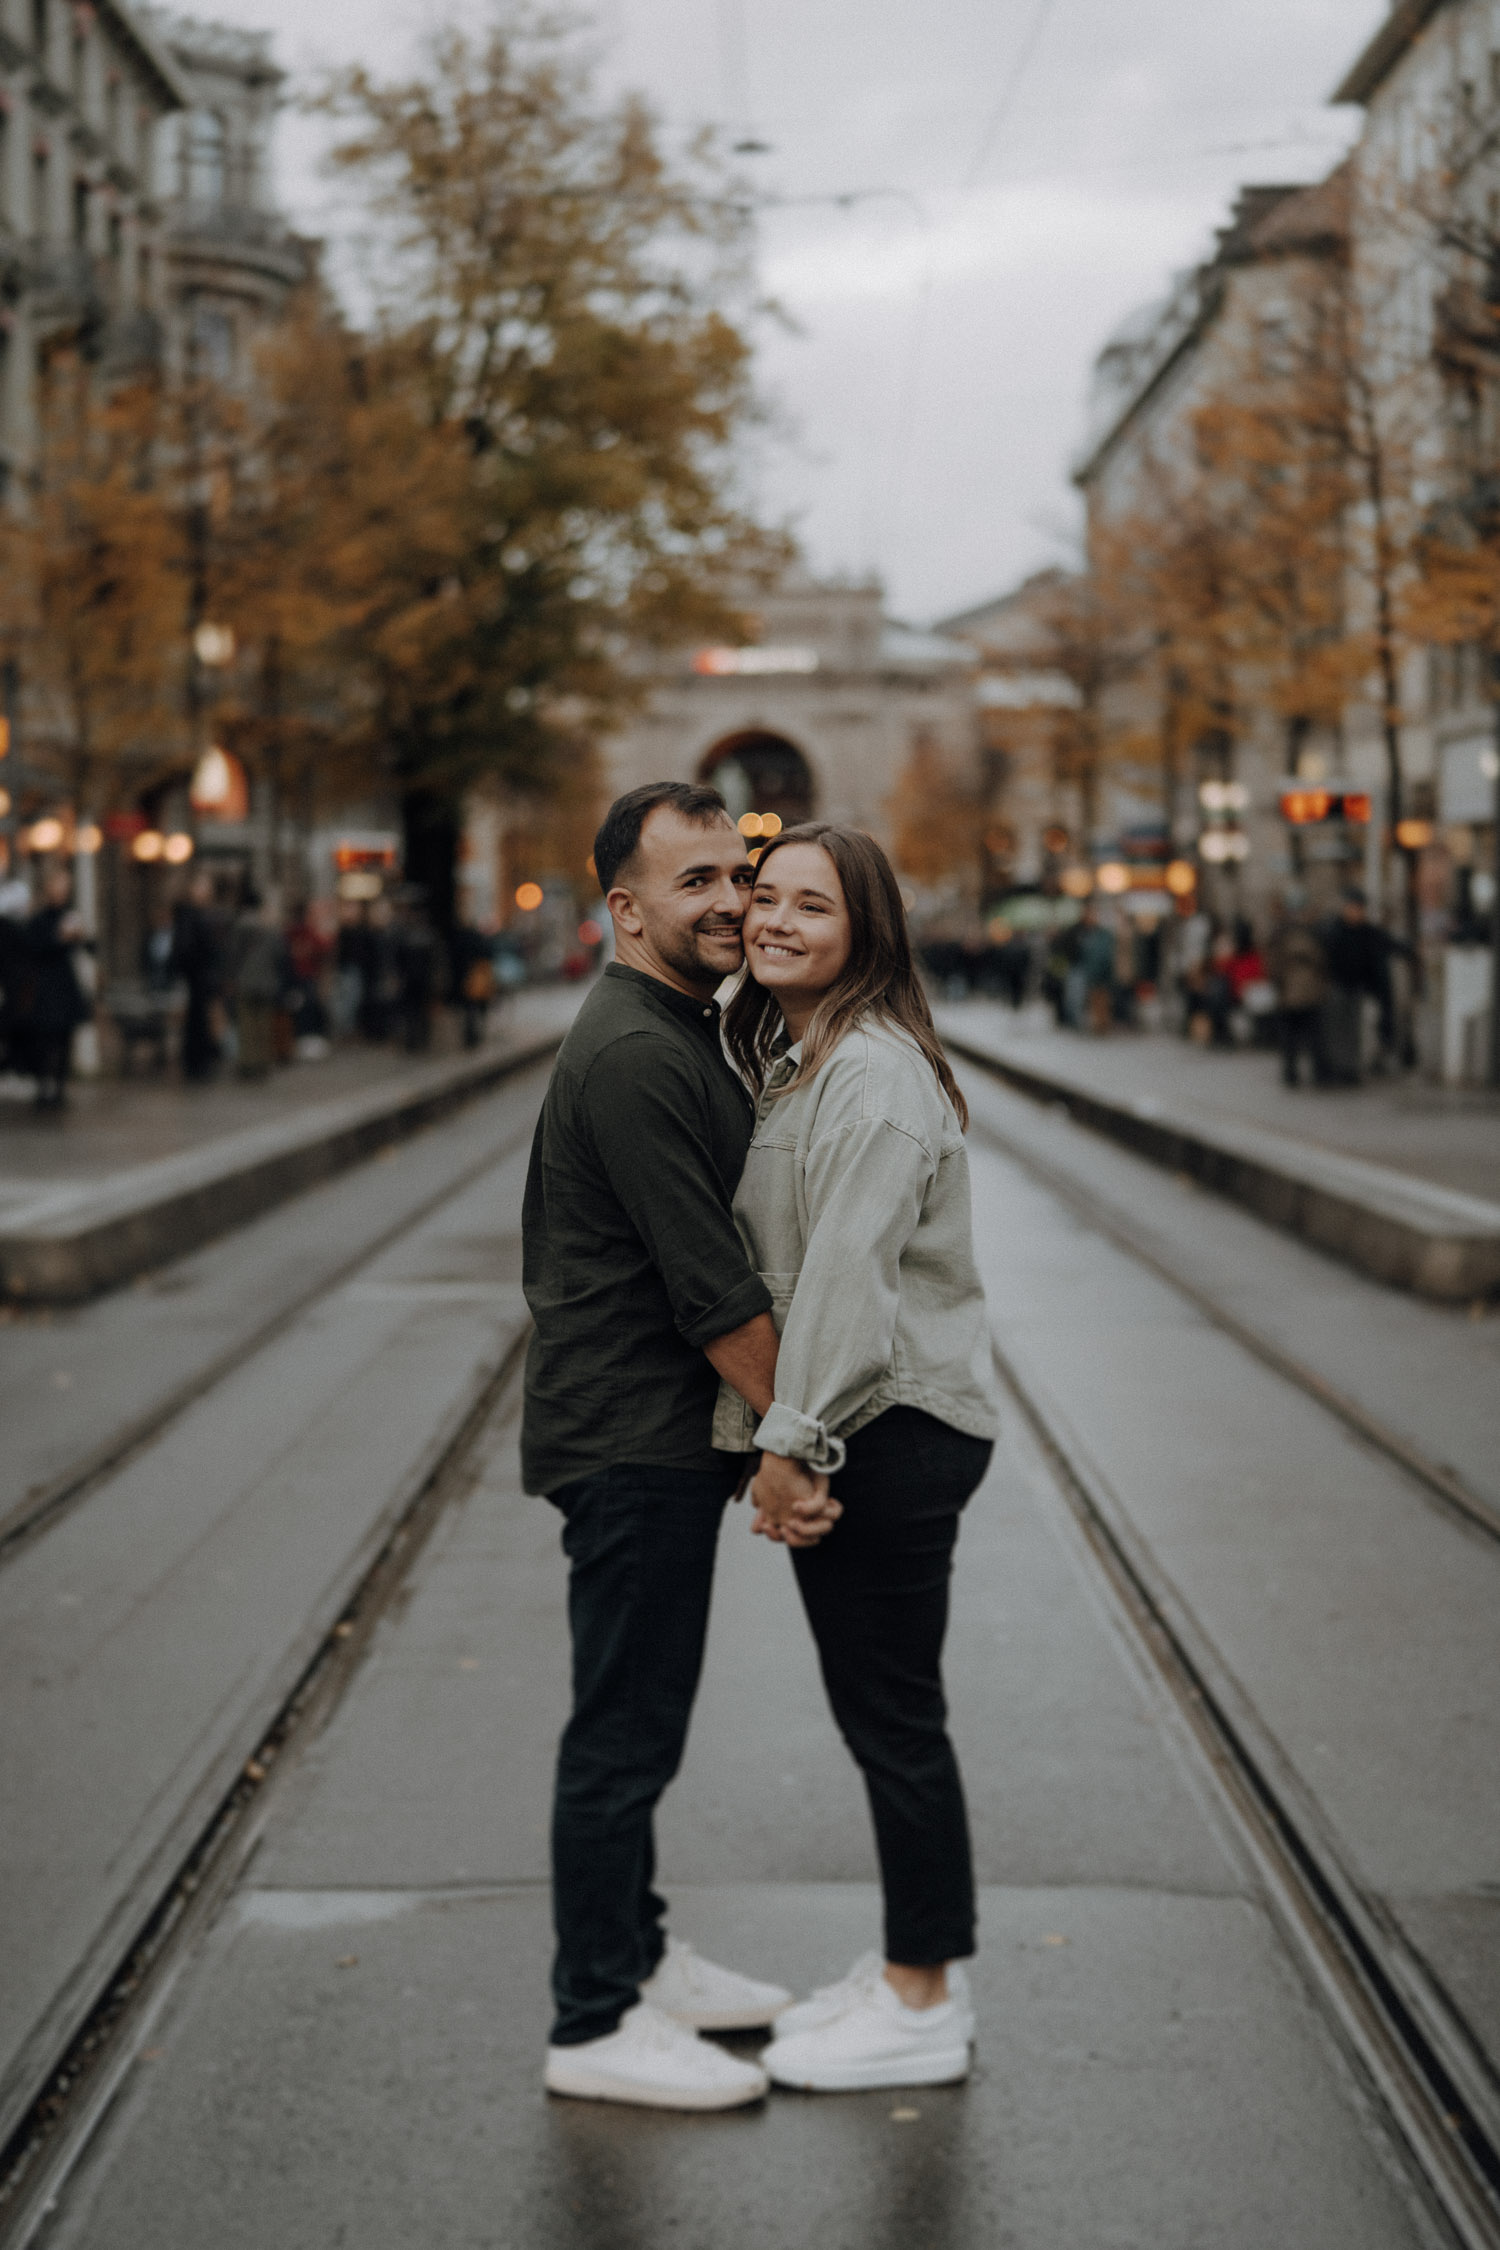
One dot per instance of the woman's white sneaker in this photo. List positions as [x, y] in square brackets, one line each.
[655, 2062]
[874, 2040]
[831, 2000]
[700, 1993]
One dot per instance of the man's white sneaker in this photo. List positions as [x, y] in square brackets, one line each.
[652, 2060]
[874, 2040]
[700, 1993]
[831, 2000]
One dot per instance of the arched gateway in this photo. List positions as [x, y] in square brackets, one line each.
[756, 771]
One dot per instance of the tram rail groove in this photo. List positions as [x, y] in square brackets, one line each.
[1410, 2050]
[44, 1506]
[1438, 1481]
[90, 2073]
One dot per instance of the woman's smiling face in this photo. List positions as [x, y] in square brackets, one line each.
[797, 928]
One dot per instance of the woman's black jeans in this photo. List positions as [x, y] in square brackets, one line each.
[876, 1596]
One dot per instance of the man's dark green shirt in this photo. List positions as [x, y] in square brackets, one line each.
[632, 1260]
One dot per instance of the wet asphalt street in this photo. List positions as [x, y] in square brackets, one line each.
[349, 2052]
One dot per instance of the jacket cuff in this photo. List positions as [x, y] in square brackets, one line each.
[742, 1303]
[799, 1438]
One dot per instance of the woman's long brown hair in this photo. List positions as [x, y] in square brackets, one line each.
[880, 977]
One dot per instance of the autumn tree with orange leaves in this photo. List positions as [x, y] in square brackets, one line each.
[563, 301]
[435, 542]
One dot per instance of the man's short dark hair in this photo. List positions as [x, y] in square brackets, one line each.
[620, 832]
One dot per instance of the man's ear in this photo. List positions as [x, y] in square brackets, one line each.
[624, 912]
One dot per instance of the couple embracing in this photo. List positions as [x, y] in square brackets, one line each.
[747, 1245]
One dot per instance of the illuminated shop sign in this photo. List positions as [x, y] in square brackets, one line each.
[723, 663]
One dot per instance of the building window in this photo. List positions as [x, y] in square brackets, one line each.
[40, 216]
[81, 213]
[203, 158]
[39, 28]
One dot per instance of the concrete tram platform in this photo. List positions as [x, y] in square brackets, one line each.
[354, 2056]
[1404, 1184]
[76, 1220]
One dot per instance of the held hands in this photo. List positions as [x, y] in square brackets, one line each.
[793, 1506]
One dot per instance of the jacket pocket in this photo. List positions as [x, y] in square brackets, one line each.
[735, 1420]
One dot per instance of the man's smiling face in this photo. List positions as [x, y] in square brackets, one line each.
[680, 900]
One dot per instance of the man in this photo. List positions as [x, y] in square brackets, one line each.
[1358, 959]
[642, 1297]
[198, 959]
[1300, 974]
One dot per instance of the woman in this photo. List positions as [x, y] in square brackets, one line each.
[854, 1205]
[54, 1003]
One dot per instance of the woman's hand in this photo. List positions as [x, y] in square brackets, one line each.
[793, 1507]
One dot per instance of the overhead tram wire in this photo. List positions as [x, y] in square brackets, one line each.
[1000, 115]
[898, 468]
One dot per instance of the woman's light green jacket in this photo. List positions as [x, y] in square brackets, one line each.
[854, 1207]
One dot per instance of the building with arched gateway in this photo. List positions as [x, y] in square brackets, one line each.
[815, 720]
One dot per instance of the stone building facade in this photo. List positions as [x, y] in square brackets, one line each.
[1426, 284]
[1023, 701]
[232, 260]
[816, 720]
[84, 86]
[1263, 291]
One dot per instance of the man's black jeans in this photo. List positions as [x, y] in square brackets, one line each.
[640, 1543]
[876, 1596]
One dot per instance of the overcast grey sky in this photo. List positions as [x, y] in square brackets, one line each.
[1052, 162]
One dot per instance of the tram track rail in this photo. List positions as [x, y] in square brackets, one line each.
[1406, 2038]
[97, 2037]
[92, 2067]
[44, 1506]
[1437, 1480]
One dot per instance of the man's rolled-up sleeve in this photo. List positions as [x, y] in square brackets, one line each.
[645, 1114]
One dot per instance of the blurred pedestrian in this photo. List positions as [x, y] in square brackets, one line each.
[309, 949]
[257, 979]
[1358, 964]
[379, 973]
[54, 1003]
[348, 967]
[158, 975]
[1213, 1001]
[1091, 974]
[1012, 964]
[1299, 971]
[1250, 988]
[471, 970]
[416, 976]
[15, 912]
[199, 959]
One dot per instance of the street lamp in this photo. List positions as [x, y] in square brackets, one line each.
[213, 645]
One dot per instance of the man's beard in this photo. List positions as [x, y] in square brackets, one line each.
[685, 951]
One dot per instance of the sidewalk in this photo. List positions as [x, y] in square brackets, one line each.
[1402, 1180]
[1445, 1134]
[113, 1123]
[222, 1155]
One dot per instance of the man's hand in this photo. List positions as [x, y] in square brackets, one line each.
[793, 1506]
